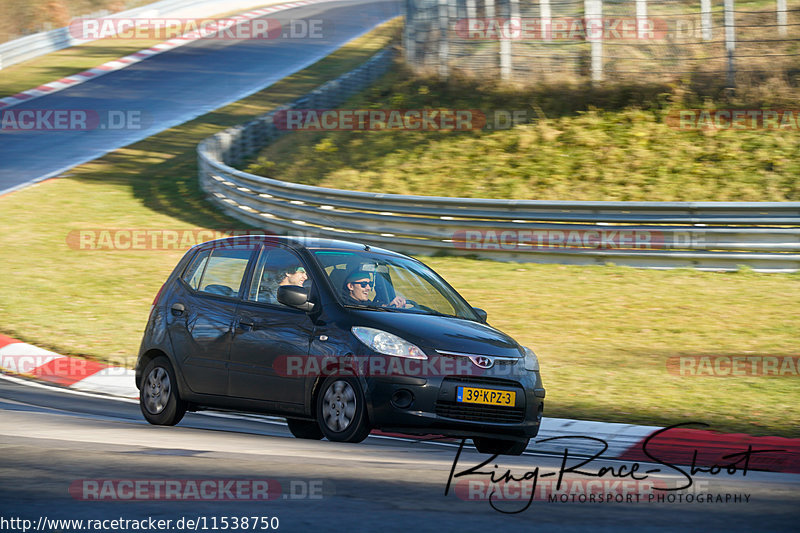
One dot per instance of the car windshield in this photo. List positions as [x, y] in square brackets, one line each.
[390, 283]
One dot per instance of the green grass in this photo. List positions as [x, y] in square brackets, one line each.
[66, 62]
[23, 17]
[603, 334]
[580, 143]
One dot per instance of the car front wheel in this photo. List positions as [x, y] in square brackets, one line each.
[158, 398]
[342, 410]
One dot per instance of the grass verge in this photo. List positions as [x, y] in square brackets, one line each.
[66, 62]
[603, 334]
[578, 142]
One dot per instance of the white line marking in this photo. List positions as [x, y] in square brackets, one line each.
[37, 385]
[29, 383]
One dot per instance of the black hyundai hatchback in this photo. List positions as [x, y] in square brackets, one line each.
[339, 338]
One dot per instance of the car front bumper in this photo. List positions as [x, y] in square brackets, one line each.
[429, 406]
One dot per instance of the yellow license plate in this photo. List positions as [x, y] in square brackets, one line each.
[485, 396]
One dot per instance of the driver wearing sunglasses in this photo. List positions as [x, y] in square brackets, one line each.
[357, 288]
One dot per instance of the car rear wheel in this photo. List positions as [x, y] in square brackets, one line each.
[342, 410]
[158, 398]
[303, 429]
[500, 446]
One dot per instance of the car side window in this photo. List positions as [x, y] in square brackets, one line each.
[276, 267]
[223, 271]
[195, 271]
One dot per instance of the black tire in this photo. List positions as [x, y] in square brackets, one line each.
[342, 410]
[500, 446]
[304, 429]
[158, 398]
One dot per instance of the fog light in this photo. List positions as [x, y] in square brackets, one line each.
[402, 399]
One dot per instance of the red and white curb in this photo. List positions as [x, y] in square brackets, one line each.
[626, 442]
[675, 446]
[141, 55]
[75, 373]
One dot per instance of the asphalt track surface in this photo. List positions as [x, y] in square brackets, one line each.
[52, 440]
[175, 86]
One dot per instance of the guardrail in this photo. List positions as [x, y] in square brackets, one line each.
[38, 44]
[707, 235]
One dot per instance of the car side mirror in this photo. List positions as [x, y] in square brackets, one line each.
[295, 296]
[481, 314]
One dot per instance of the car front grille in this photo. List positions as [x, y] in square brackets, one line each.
[480, 413]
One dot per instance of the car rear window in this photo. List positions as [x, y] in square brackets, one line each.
[219, 270]
[195, 271]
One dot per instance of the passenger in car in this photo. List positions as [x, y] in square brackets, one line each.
[293, 275]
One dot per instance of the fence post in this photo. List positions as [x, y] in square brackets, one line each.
[641, 18]
[781, 8]
[444, 51]
[510, 29]
[488, 13]
[705, 19]
[730, 41]
[545, 22]
[593, 13]
[410, 33]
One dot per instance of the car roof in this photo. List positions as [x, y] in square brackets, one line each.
[296, 242]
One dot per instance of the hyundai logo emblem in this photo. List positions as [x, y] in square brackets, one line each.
[482, 361]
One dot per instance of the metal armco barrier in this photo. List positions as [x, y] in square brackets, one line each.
[706, 235]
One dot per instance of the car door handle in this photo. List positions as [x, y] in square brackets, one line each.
[178, 309]
[246, 324]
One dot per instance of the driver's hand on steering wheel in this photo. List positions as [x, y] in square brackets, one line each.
[398, 302]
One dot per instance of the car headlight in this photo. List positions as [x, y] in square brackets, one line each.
[531, 361]
[386, 343]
